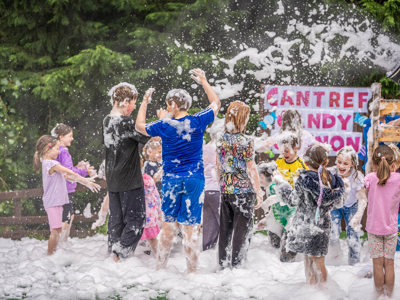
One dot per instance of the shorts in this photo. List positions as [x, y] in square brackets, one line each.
[181, 200]
[54, 214]
[382, 245]
[68, 210]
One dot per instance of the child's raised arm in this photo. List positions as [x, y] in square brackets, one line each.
[362, 204]
[199, 76]
[71, 176]
[140, 125]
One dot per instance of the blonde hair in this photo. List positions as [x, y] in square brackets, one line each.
[383, 158]
[236, 117]
[43, 144]
[152, 144]
[316, 156]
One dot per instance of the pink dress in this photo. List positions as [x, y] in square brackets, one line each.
[153, 204]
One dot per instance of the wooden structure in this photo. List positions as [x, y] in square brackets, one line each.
[382, 132]
[18, 219]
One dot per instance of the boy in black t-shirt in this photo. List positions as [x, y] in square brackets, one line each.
[124, 177]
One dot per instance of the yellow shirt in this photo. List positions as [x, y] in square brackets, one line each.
[290, 171]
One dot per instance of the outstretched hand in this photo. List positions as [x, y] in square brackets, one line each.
[91, 185]
[198, 75]
[147, 95]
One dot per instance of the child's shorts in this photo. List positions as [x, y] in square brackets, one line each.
[54, 214]
[382, 245]
[181, 200]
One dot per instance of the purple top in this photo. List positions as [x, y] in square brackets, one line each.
[65, 159]
[54, 187]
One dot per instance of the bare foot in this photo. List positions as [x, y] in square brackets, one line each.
[116, 257]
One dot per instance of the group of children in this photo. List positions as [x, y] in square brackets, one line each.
[303, 196]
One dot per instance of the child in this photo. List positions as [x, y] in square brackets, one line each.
[55, 193]
[274, 228]
[153, 212]
[315, 194]
[354, 205]
[64, 135]
[183, 179]
[153, 165]
[289, 165]
[211, 191]
[383, 186]
[123, 172]
[240, 186]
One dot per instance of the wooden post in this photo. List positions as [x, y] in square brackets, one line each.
[375, 116]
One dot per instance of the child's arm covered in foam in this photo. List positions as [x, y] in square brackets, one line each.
[72, 176]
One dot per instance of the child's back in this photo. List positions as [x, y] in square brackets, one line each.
[383, 203]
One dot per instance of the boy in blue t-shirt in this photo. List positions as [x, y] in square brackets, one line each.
[183, 180]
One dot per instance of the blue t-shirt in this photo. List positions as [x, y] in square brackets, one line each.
[182, 142]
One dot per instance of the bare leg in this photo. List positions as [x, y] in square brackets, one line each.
[379, 277]
[153, 244]
[308, 270]
[66, 229]
[53, 241]
[190, 245]
[166, 239]
[319, 269]
[389, 275]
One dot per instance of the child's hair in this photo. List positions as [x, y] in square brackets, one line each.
[383, 158]
[291, 121]
[43, 144]
[316, 156]
[60, 130]
[267, 169]
[349, 151]
[288, 139]
[236, 117]
[123, 91]
[180, 97]
[152, 144]
[396, 151]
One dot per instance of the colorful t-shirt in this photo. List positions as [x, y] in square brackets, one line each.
[65, 159]
[290, 172]
[153, 202]
[54, 185]
[383, 204]
[182, 143]
[234, 151]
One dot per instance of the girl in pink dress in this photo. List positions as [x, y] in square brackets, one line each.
[153, 212]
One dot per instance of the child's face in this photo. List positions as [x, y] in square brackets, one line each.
[344, 165]
[67, 139]
[131, 105]
[290, 154]
[53, 151]
[264, 182]
[154, 153]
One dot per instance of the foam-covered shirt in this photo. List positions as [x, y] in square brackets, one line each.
[290, 171]
[54, 185]
[182, 143]
[383, 204]
[121, 140]
[356, 184]
[65, 159]
[234, 151]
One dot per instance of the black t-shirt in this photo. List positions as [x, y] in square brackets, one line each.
[122, 155]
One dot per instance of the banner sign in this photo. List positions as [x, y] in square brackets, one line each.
[327, 112]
